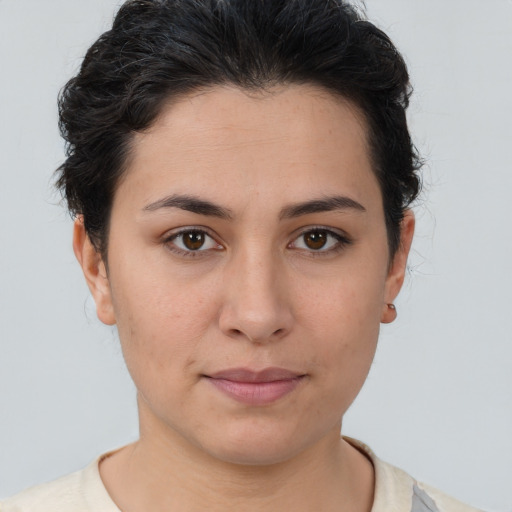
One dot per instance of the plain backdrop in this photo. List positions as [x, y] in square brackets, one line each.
[438, 401]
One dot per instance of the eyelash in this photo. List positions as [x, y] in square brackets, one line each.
[342, 241]
[169, 242]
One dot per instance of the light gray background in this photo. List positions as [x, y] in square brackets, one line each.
[438, 401]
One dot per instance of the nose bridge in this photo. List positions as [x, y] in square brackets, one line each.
[256, 304]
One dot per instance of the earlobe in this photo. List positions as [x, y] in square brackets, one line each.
[396, 274]
[94, 271]
[389, 314]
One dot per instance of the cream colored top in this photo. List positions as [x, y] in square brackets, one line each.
[83, 491]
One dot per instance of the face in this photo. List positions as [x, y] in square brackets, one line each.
[248, 270]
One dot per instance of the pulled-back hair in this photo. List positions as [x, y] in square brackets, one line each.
[159, 50]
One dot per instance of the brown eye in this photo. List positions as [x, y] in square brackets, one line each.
[315, 240]
[193, 240]
[320, 240]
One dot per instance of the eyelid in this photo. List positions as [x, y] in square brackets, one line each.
[343, 240]
[171, 235]
[341, 236]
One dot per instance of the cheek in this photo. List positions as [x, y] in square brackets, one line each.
[342, 321]
[346, 305]
[162, 323]
[346, 337]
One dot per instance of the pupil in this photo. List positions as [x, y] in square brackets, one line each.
[193, 241]
[316, 239]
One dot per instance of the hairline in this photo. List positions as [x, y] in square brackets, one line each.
[269, 88]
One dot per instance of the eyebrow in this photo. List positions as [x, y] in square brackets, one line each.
[326, 204]
[204, 207]
[191, 204]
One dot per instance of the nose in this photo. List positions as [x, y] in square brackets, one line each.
[256, 304]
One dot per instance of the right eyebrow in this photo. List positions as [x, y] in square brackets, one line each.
[190, 204]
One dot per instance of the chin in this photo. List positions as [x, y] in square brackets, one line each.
[255, 454]
[258, 444]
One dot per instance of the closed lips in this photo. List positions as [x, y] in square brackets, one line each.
[256, 387]
[247, 375]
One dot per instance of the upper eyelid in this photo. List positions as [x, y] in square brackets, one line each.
[173, 233]
[336, 232]
[169, 240]
[343, 240]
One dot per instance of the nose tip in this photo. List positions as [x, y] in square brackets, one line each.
[256, 307]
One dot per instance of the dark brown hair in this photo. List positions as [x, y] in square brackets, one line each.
[161, 49]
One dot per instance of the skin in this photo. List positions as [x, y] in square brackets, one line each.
[255, 295]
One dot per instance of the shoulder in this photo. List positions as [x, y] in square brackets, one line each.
[62, 494]
[398, 491]
[82, 491]
[426, 498]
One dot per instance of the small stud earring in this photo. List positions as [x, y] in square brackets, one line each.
[388, 314]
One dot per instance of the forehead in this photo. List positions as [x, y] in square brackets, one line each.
[298, 139]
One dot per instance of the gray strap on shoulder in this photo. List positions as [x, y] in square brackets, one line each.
[422, 502]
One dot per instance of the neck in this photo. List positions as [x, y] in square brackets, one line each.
[163, 471]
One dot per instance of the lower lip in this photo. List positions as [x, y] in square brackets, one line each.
[256, 393]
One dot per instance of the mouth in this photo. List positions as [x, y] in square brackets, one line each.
[255, 387]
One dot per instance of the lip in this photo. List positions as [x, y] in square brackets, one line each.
[252, 387]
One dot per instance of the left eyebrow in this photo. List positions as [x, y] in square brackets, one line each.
[325, 204]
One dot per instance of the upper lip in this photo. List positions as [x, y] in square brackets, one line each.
[247, 375]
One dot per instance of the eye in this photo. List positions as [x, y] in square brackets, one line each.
[192, 240]
[319, 240]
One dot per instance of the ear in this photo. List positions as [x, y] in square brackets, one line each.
[396, 274]
[95, 272]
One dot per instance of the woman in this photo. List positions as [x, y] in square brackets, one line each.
[241, 175]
